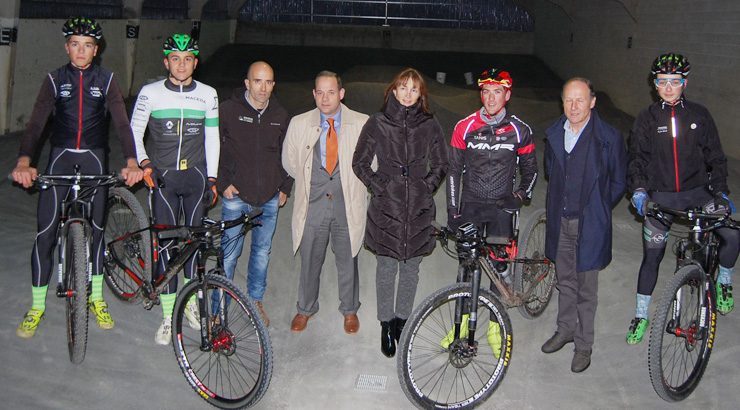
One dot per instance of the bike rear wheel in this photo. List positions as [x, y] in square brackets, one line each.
[234, 369]
[133, 253]
[682, 335]
[75, 283]
[434, 376]
[539, 277]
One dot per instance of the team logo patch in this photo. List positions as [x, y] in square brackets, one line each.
[246, 119]
[505, 129]
[64, 93]
[662, 129]
[693, 125]
[169, 125]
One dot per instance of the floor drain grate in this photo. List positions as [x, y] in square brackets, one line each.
[369, 382]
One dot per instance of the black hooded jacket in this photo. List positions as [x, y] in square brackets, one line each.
[412, 161]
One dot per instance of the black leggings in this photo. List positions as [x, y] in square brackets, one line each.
[655, 236]
[62, 162]
[181, 194]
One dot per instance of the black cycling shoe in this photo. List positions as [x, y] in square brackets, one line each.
[387, 341]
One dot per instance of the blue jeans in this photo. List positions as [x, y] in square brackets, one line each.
[259, 255]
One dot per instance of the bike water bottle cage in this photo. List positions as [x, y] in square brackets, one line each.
[81, 26]
[180, 42]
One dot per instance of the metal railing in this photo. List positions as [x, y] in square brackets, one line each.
[501, 15]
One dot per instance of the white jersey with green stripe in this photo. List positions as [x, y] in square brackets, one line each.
[183, 126]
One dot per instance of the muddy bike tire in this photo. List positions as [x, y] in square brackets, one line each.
[124, 215]
[527, 275]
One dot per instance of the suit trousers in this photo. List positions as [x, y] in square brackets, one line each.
[319, 231]
[577, 298]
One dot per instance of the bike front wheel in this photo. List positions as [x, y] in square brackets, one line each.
[75, 283]
[229, 362]
[535, 277]
[681, 335]
[436, 371]
[128, 257]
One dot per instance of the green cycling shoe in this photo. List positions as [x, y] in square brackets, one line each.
[27, 328]
[725, 301]
[637, 330]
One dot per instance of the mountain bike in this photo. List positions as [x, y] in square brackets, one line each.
[456, 345]
[683, 331]
[227, 360]
[74, 249]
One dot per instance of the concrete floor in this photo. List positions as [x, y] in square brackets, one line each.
[319, 368]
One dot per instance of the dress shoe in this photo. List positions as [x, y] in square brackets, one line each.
[555, 343]
[398, 327]
[351, 323]
[581, 361]
[263, 315]
[387, 342]
[299, 322]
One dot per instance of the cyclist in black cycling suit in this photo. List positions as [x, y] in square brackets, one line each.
[676, 160]
[182, 116]
[79, 94]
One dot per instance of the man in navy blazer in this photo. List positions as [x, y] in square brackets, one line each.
[585, 164]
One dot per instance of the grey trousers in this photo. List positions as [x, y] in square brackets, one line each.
[316, 237]
[385, 286]
[578, 291]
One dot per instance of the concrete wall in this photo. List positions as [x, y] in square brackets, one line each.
[398, 38]
[135, 61]
[8, 19]
[706, 32]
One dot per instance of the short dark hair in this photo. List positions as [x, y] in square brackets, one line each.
[581, 80]
[327, 73]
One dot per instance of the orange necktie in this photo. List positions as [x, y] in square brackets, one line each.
[331, 147]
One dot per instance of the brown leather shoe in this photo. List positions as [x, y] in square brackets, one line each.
[351, 323]
[299, 322]
[263, 315]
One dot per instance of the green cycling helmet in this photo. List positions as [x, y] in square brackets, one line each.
[180, 42]
[82, 26]
[671, 63]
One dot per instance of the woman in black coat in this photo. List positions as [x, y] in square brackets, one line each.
[411, 162]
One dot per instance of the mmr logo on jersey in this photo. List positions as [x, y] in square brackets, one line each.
[487, 146]
[169, 125]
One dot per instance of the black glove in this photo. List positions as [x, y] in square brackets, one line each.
[210, 195]
[720, 204]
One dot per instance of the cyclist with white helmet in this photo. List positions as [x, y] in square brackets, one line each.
[80, 95]
[676, 160]
[182, 116]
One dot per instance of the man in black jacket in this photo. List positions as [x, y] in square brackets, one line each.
[252, 128]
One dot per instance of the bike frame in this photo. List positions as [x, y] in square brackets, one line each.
[196, 239]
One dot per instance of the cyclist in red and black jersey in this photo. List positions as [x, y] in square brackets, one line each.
[676, 160]
[487, 148]
[80, 95]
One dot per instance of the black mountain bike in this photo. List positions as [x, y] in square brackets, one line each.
[683, 330]
[74, 249]
[227, 359]
[455, 348]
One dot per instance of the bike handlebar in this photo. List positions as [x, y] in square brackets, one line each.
[44, 181]
[720, 220]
